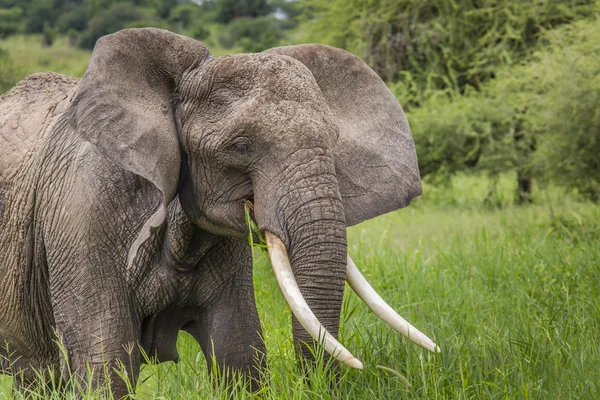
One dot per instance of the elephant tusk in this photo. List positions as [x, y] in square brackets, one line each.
[365, 291]
[291, 291]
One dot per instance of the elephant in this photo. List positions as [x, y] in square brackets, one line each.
[123, 193]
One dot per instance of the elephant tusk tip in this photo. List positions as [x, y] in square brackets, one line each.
[354, 363]
[431, 346]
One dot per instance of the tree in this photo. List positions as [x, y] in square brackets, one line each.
[540, 119]
[115, 18]
[39, 12]
[228, 10]
[184, 14]
[441, 44]
[9, 20]
[251, 34]
[567, 113]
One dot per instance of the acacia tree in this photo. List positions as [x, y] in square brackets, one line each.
[440, 44]
[541, 119]
[566, 115]
[228, 10]
[454, 66]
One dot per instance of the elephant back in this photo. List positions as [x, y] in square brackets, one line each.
[26, 112]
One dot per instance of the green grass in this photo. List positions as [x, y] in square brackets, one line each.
[510, 294]
[29, 56]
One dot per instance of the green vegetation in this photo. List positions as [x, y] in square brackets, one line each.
[540, 118]
[28, 55]
[8, 73]
[444, 43]
[84, 21]
[468, 73]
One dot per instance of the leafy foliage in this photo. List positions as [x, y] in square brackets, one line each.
[8, 73]
[252, 34]
[117, 17]
[229, 10]
[447, 44]
[541, 118]
[247, 21]
[9, 18]
[566, 116]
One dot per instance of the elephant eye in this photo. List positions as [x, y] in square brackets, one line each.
[241, 146]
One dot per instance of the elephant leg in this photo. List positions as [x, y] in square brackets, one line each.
[228, 328]
[99, 332]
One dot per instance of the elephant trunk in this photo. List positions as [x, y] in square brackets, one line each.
[318, 257]
[309, 220]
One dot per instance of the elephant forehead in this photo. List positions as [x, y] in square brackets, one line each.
[244, 76]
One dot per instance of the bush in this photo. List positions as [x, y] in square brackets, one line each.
[76, 19]
[9, 20]
[184, 14]
[38, 12]
[230, 10]
[48, 35]
[567, 112]
[251, 34]
[8, 28]
[108, 21]
[541, 119]
[8, 73]
[199, 32]
[444, 44]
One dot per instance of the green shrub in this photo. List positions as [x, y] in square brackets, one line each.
[75, 19]
[185, 14]
[48, 35]
[459, 132]
[442, 44]
[541, 118]
[9, 21]
[11, 14]
[38, 12]
[252, 34]
[230, 10]
[567, 111]
[199, 32]
[115, 18]
[8, 73]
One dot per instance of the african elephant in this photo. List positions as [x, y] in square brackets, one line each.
[122, 199]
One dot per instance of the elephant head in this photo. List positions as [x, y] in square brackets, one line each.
[309, 134]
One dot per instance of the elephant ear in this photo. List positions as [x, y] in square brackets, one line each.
[375, 156]
[123, 107]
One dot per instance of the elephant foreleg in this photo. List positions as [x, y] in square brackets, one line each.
[228, 328]
[99, 332]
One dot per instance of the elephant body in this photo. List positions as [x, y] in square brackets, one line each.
[122, 197]
[56, 218]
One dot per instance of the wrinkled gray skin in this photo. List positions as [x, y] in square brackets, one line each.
[121, 195]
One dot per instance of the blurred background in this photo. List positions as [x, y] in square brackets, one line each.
[504, 89]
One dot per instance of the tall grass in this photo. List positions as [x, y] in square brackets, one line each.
[510, 294]
[29, 56]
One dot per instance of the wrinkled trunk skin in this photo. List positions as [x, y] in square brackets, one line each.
[318, 256]
[306, 212]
